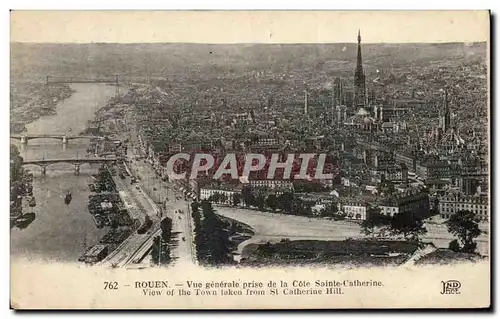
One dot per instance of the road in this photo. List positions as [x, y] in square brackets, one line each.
[171, 200]
[130, 250]
[139, 206]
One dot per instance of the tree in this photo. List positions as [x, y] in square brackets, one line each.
[247, 196]
[329, 210]
[216, 245]
[222, 198]
[16, 162]
[285, 202]
[454, 246]
[195, 206]
[260, 201]
[464, 225]
[408, 225]
[301, 208]
[114, 222]
[206, 207]
[374, 219]
[166, 229]
[386, 187]
[272, 202]
[215, 197]
[160, 252]
[236, 199]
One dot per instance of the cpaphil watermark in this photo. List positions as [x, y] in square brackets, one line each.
[304, 166]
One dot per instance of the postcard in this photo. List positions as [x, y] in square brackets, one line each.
[249, 159]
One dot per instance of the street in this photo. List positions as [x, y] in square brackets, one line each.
[164, 194]
[139, 205]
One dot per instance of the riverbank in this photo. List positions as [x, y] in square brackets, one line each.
[21, 189]
[30, 101]
[61, 232]
[109, 119]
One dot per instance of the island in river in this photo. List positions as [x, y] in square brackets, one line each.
[31, 100]
[61, 232]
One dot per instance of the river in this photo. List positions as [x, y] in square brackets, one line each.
[61, 232]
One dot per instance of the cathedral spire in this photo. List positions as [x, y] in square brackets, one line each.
[359, 99]
[359, 62]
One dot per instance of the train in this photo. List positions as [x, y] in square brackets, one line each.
[146, 226]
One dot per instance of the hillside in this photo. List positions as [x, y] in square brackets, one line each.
[33, 61]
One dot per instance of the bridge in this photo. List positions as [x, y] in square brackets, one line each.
[50, 79]
[43, 163]
[63, 137]
[114, 79]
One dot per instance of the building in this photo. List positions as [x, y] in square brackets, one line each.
[407, 159]
[319, 199]
[388, 113]
[228, 190]
[361, 120]
[272, 183]
[452, 203]
[415, 203]
[355, 207]
[359, 96]
[268, 142]
[241, 118]
[433, 169]
[391, 172]
[383, 159]
[472, 182]
[174, 148]
[340, 114]
[392, 127]
[340, 108]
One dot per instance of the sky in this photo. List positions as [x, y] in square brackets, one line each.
[249, 26]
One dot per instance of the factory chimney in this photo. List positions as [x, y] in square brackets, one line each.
[306, 106]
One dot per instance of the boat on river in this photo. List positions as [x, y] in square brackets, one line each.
[32, 201]
[24, 220]
[67, 198]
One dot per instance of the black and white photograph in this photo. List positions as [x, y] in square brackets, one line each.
[364, 148]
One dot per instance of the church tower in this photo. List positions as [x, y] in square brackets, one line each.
[445, 120]
[359, 97]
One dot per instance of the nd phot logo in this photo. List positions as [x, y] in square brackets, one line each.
[451, 287]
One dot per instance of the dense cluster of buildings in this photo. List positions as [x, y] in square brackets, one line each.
[404, 152]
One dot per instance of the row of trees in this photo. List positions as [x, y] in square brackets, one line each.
[160, 253]
[104, 181]
[211, 235]
[286, 202]
[404, 223]
[331, 210]
[16, 162]
[463, 224]
[220, 198]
